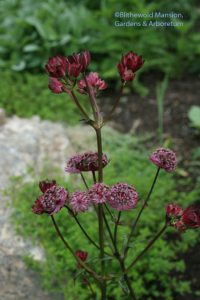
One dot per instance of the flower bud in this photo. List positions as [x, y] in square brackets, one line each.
[128, 65]
[94, 82]
[55, 85]
[56, 66]
[77, 63]
[191, 217]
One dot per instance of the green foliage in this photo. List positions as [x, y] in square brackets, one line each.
[158, 274]
[28, 95]
[194, 116]
[31, 31]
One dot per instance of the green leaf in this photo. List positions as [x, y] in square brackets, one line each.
[194, 116]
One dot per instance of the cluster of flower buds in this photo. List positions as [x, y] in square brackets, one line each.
[64, 71]
[182, 219]
[129, 64]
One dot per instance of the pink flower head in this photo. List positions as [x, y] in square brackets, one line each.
[77, 63]
[46, 184]
[56, 66]
[122, 197]
[128, 65]
[191, 217]
[87, 161]
[55, 85]
[79, 201]
[99, 193]
[51, 201]
[165, 159]
[95, 83]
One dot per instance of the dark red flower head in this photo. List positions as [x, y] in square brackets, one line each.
[87, 161]
[191, 217]
[55, 85]
[82, 255]
[128, 65]
[77, 63]
[94, 82]
[51, 201]
[56, 66]
[46, 184]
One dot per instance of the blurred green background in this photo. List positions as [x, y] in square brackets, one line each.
[33, 30]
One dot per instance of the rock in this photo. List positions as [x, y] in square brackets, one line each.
[25, 143]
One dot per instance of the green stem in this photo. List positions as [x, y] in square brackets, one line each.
[94, 177]
[88, 270]
[108, 210]
[84, 181]
[121, 261]
[134, 224]
[74, 98]
[100, 212]
[93, 101]
[147, 247]
[82, 228]
[116, 226]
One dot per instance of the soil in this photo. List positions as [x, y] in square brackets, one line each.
[139, 115]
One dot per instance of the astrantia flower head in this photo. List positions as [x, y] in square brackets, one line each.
[95, 83]
[165, 159]
[46, 184]
[191, 217]
[128, 65]
[79, 201]
[99, 193]
[55, 85]
[87, 161]
[122, 197]
[56, 66]
[51, 201]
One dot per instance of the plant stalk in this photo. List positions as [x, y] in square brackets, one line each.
[100, 212]
[134, 224]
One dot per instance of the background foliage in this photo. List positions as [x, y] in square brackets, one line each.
[162, 269]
